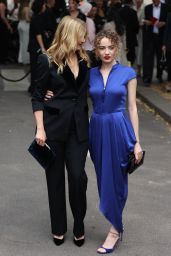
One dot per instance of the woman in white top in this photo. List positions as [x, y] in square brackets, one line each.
[91, 29]
[139, 7]
[23, 30]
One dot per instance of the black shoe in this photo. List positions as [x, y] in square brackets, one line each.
[79, 242]
[160, 80]
[58, 241]
[146, 82]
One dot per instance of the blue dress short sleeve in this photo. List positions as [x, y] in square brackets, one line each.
[132, 74]
[111, 139]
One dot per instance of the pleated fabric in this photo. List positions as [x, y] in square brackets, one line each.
[112, 138]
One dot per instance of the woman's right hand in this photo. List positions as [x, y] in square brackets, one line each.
[147, 22]
[40, 136]
[49, 95]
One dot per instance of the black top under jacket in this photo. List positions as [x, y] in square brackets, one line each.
[37, 27]
[68, 103]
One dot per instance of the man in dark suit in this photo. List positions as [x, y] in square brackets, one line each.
[154, 24]
[167, 48]
[130, 19]
[168, 2]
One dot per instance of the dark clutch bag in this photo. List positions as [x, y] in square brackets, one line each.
[44, 155]
[132, 166]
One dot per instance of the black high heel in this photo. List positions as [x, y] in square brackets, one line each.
[79, 242]
[58, 241]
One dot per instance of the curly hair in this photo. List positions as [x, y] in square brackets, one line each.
[111, 35]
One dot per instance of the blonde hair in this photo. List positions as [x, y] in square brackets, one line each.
[66, 41]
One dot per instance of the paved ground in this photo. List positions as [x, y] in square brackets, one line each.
[24, 215]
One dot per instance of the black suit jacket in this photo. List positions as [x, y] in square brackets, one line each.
[167, 34]
[37, 27]
[148, 14]
[69, 101]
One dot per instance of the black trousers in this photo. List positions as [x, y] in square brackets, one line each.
[151, 46]
[4, 42]
[168, 56]
[71, 154]
[131, 55]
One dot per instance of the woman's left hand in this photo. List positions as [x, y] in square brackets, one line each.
[138, 152]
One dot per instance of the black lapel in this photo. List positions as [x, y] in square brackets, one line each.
[82, 79]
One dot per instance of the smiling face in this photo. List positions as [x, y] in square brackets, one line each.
[106, 51]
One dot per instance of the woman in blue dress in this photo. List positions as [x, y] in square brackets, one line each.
[113, 135]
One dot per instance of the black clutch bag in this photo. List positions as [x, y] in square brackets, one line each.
[43, 154]
[132, 166]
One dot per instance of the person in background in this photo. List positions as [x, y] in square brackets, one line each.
[50, 23]
[5, 31]
[14, 37]
[59, 9]
[74, 11]
[62, 122]
[36, 38]
[24, 16]
[115, 24]
[100, 18]
[91, 29]
[139, 7]
[13, 11]
[93, 11]
[114, 5]
[130, 19]
[167, 49]
[112, 135]
[155, 16]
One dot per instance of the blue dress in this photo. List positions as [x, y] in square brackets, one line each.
[112, 138]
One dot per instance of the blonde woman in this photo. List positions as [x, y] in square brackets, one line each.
[62, 122]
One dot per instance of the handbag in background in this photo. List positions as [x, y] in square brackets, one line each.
[43, 154]
[163, 61]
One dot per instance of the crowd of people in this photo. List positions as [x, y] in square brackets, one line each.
[28, 27]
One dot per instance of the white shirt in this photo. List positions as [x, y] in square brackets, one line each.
[91, 32]
[156, 14]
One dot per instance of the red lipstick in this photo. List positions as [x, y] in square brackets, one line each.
[106, 57]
